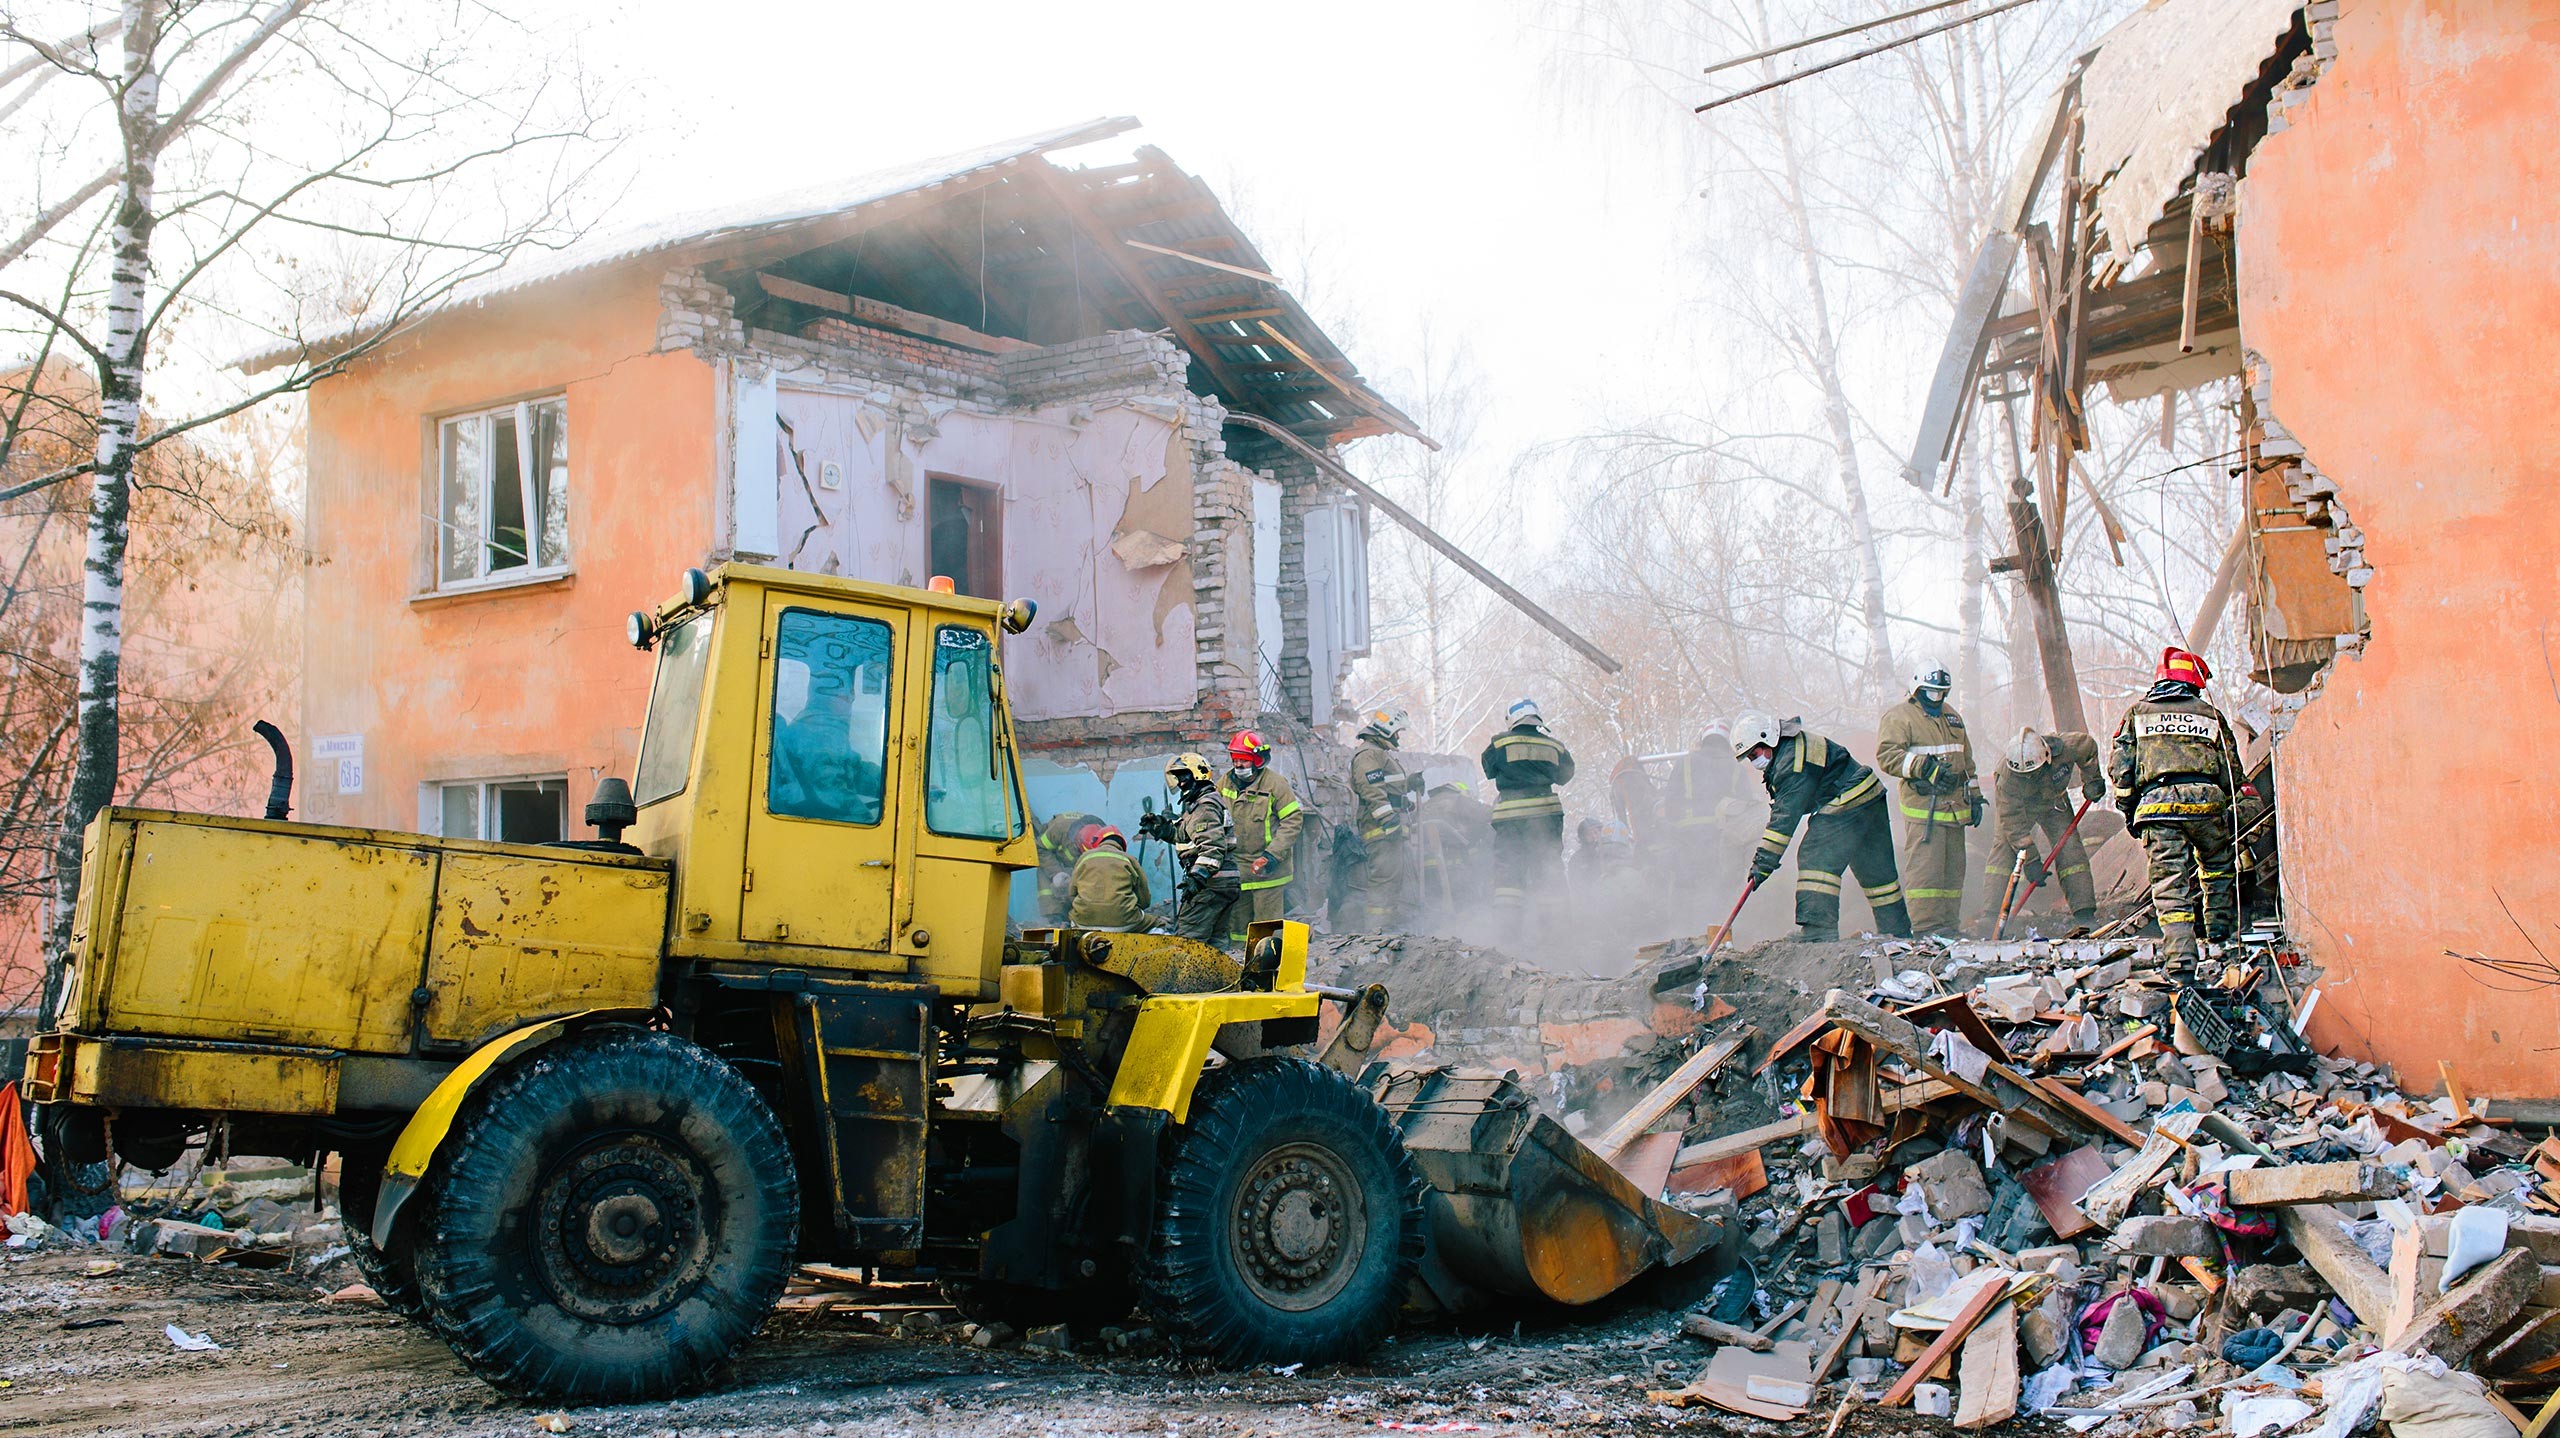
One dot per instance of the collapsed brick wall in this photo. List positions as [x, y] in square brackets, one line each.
[917, 380]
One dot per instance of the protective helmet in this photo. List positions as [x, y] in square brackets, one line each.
[1185, 771]
[1716, 732]
[1753, 730]
[2027, 752]
[1932, 675]
[1385, 723]
[2186, 668]
[1097, 835]
[1088, 835]
[1591, 831]
[1249, 750]
[1524, 712]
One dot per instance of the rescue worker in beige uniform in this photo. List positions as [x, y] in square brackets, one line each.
[2035, 793]
[1060, 843]
[1922, 742]
[1109, 889]
[1526, 763]
[1266, 817]
[2175, 768]
[1381, 795]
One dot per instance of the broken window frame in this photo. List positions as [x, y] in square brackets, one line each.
[541, 499]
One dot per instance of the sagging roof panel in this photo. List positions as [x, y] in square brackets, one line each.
[2157, 89]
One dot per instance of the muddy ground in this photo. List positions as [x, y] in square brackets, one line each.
[291, 1365]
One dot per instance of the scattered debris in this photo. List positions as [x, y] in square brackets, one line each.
[187, 1342]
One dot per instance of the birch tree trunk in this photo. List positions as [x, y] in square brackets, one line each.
[1822, 349]
[101, 654]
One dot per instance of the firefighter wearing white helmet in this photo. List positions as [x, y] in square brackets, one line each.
[2035, 794]
[1526, 763]
[1382, 793]
[1815, 782]
[1922, 742]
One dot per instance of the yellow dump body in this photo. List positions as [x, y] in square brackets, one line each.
[257, 955]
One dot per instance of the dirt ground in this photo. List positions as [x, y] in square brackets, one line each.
[291, 1365]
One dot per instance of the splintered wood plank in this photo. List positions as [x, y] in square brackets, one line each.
[1668, 1093]
[2278, 1185]
[1973, 1313]
[1987, 1374]
[1856, 1313]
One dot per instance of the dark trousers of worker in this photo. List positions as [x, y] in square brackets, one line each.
[1933, 859]
[1379, 883]
[2070, 864]
[1209, 911]
[2186, 829]
[1854, 841]
[1528, 865]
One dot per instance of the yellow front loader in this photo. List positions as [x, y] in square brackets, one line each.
[594, 1101]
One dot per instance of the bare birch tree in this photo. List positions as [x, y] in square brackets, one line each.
[427, 148]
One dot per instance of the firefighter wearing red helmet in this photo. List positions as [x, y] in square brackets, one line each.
[1109, 889]
[2175, 768]
[1266, 818]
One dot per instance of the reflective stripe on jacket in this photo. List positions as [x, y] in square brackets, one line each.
[1526, 764]
[1267, 820]
[1809, 774]
[1907, 736]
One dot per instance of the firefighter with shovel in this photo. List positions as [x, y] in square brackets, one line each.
[2035, 794]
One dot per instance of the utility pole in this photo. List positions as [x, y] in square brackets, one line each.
[2033, 564]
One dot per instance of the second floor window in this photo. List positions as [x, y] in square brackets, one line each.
[502, 499]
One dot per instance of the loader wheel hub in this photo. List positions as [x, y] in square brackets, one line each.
[1297, 1227]
[621, 1229]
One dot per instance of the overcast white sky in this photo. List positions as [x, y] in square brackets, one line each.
[1409, 153]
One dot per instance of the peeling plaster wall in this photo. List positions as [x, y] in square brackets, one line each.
[2400, 270]
[1096, 528]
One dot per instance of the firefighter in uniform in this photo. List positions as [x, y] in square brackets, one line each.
[1457, 834]
[1808, 776]
[1060, 843]
[1381, 793]
[1266, 820]
[2175, 767]
[1701, 783]
[2035, 794]
[1526, 764]
[1109, 889]
[1921, 741]
[1204, 853]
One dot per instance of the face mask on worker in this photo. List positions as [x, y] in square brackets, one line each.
[1760, 760]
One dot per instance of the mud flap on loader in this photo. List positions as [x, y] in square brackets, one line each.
[1519, 1207]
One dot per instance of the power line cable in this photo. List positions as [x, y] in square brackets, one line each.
[1863, 25]
[1857, 55]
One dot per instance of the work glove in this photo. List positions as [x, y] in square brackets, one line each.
[1975, 807]
[2033, 874]
[1931, 771]
[2095, 791]
[1763, 864]
[1259, 865]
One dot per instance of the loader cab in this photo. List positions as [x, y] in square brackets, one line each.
[831, 767]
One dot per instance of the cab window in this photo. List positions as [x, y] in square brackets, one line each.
[968, 767]
[831, 681]
[675, 701]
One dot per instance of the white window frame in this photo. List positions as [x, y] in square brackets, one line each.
[441, 531]
[431, 802]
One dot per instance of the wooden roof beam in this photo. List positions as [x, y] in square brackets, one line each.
[1123, 264]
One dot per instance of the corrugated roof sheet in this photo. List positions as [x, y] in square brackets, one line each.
[2157, 89]
[536, 267]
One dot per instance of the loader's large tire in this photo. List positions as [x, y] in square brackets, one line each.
[390, 1275]
[609, 1222]
[1288, 1220]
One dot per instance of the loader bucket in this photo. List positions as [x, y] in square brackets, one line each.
[1520, 1207]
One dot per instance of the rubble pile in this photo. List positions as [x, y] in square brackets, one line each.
[250, 1212]
[2061, 1178]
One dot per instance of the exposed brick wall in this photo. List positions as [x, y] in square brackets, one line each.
[916, 380]
[896, 354]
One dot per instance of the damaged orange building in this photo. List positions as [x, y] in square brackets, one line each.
[1079, 384]
[2348, 207]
